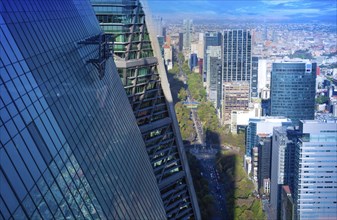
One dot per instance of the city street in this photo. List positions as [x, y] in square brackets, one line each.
[206, 156]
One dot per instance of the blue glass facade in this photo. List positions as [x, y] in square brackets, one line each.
[66, 150]
[292, 92]
[144, 79]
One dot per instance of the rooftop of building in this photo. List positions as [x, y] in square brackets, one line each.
[322, 118]
[264, 135]
[270, 119]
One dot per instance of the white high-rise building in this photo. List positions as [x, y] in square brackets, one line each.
[315, 185]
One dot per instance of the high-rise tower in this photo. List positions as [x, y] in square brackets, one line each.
[292, 90]
[236, 71]
[70, 145]
[145, 82]
[237, 55]
[187, 31]
[315, 185]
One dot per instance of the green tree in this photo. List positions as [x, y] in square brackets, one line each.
[182, 94]
[175, 69]
[181, 57]
[322, 99]
[185, 123]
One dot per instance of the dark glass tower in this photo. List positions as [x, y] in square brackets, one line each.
[237, 55]
[145, 82]
[292, 91]
[70, 145]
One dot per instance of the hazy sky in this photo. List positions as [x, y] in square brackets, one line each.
[249, 10]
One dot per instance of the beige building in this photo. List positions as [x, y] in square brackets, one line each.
[235, 98]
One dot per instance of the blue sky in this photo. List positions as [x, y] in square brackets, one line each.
[247, 10]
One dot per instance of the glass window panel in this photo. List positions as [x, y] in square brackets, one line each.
[18, 68]
[19, 104]
[36, 195]
[26, 116]
[6, 98]
[34, 151]
[12, 109]
[19, 86]
[51, 202]
[36, 215]
[19, 122]
[51, 131]
[56, 192]
[13, 178]
[4, 115]
[56, 127]
[43, 187]
[4, 56]
[20, 166]
[29, 206]
[12, 90]
[44, 103]
[32, 96]
[66, 210]
[44, 210]
[40, 143]
[59, 215]
[48, 177]
[8, 50]
[4, 211]
[26, 100]
[32, 111]
[25, 68]
[53, 167]
[19, 214]
[11, 128]
[45, 135]
[4, 137]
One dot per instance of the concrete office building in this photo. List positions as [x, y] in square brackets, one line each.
[315, 186]
[145, 82]
[240, 119]
[70, 145]
[262, 74]
[235, 98]
[292, 90]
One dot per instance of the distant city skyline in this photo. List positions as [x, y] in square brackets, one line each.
[286, 11]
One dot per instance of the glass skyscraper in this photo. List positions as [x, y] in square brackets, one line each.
[70, 144]
[237, 55]
[144, 78]
[292, 91]
[187, 28]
